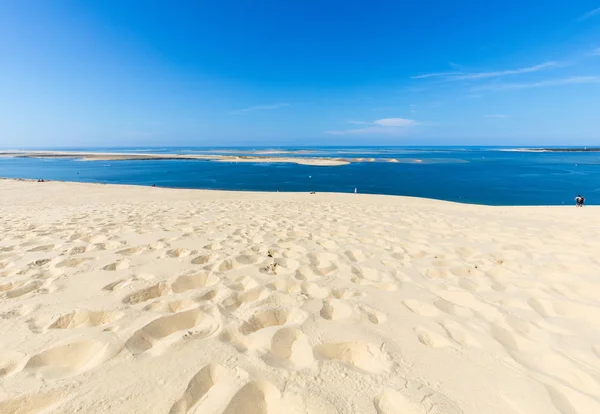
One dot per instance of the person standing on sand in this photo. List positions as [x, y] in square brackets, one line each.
[579, 200]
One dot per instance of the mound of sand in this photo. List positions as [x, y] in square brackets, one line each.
[127, 299]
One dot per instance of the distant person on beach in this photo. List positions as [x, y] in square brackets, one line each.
[579, 200]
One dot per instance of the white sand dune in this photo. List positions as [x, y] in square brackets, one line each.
[126, 299]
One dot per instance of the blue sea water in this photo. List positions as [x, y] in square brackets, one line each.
[493, 176]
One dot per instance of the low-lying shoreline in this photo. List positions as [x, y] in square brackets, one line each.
[257, 157]
[99, 156]
[582, 149]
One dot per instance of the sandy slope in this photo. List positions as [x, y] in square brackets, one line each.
[146, 300]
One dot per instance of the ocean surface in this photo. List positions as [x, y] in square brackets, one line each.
[493, 176]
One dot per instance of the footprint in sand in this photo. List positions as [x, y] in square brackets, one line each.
[131, 251]
[40, 262]
[393, 402]
[173, 306]
[195, 323]
[10, 362]
[78, 250]
[119, 284]
[373, 315]
[194, 281]
[198, 386]
[291, 348]
[272, 317]
[225, 266]
[313, 290]
[152, 292]
[251, 296]
[204, 259]
[335, 309]
[109, 245]
[355, 255]
[84, 318]
[45, 248]
[432, 339]
[285, 285]
[256, 397]
[19, 290]
[159, 245]
[248, 259]
[328, 244]
[119, 265]
[460, 335]
[421, 308]
[451, 308]
[343, 293]
[72, 358]
[323, 263]
[362, 356]
[179, 253]
[306, 273]
[213, 246]
[72, 262]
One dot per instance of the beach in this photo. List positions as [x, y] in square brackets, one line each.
[126, 299]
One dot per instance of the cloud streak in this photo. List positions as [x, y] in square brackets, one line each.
[589, 14]
[385, 126]
[574, 80]
[455, 76]
[437, 75]
[261, 108]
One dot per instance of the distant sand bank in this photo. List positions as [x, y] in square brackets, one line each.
[126, 299]
[96, 156]
[257, 157]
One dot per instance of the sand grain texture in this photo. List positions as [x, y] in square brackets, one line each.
[129, 299]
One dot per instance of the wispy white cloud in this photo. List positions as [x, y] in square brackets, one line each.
[437, 75]
[261, 108]
[484, 75]
[389, 126]
[395, 122]
[498, 116]
[589, 14]
[574, 80]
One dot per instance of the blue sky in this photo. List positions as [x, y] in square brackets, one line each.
[209, 73]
